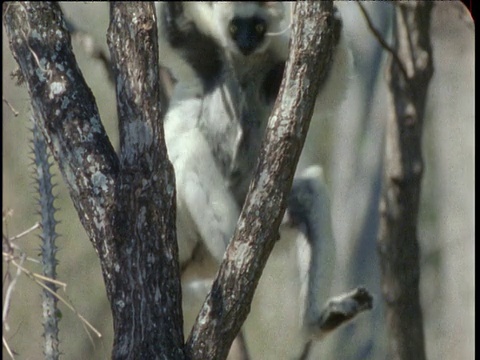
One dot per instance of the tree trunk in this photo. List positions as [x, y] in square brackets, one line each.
[408, 75]
[127, 205]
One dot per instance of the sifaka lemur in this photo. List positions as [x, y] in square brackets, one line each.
[227, 59]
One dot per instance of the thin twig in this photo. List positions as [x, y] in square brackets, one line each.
[53, 281]
[15, 112]
[381, 40]
[36, 275]
[34, 227]
[33, 277]
[8, 256]
[5, 345]
[8, 295]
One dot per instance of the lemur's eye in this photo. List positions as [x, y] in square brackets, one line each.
[232, 28]
[260, 28]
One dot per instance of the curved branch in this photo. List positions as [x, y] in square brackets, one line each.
[228, 303]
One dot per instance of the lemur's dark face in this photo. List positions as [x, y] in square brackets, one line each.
[243, 27]
[247, 33]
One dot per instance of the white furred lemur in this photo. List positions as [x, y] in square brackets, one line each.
[228, 59]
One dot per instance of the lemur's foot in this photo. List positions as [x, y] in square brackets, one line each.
[341, 309]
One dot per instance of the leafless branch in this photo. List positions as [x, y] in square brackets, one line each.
[26, 232]
[228, 303]
[8, 295]
[380, 38]
[15, 112]
[398, 246]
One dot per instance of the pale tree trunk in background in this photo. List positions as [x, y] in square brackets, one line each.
[449, 282]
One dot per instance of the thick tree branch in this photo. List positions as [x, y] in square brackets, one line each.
[150, 324]
[65, 109]
[126, 206]
[397, 239]
[228, 303]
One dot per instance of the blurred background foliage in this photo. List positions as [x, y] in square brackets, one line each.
[350, 147]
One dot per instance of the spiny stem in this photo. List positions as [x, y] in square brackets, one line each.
[48, 247]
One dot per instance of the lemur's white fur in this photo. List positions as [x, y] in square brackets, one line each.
[205, 207]
[211, 18]
[207, 211]
[202, 198]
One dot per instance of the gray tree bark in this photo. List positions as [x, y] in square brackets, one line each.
[228, 303]
[126, 205]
